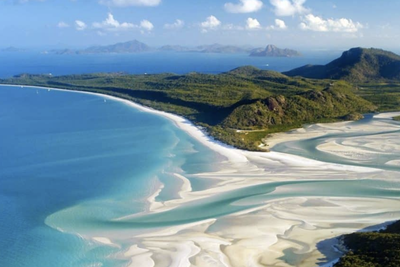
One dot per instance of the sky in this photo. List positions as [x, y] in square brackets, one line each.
[313, 24]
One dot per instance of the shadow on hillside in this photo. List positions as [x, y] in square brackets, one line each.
[331, 250]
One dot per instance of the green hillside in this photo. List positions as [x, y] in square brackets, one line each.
[373, 249]
[357, 65]
[257, 101]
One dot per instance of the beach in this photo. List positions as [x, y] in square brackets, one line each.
[264, 209]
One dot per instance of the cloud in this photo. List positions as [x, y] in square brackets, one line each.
[62, 24]
[279, 25]
[111, 24]
[289, 7]
[245, 6]
[126, 3]
[318, 24]
[80, 25]
[210, 23]
[252, 24]
[178, 24]
[146, 25]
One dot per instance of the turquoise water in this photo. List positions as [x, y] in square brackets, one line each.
[59, 149]
[229, 203]
[308, 147]
[80, 164]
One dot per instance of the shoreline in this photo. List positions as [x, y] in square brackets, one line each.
[231, 153]
[243, 169]
[181, 122]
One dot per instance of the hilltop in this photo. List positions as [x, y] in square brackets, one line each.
[356, 65]
[273, 51]
[256, 101]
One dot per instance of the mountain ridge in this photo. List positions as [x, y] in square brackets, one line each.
[355, 65]
[133, 46]
[136, 46]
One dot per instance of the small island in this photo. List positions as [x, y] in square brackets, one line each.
[119, 48]
[273, 51]
[13, 49]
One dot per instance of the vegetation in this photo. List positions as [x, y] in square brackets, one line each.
[396, 118]
[375, 74]
[254, 101]
[374, 249]
[385, 95]
[358, 65]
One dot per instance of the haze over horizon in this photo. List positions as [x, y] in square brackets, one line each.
[309, 24]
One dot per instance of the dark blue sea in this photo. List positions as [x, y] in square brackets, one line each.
[180, 63]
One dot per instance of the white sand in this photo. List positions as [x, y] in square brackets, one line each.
[104, 241]
[260, 236]
[387, 115]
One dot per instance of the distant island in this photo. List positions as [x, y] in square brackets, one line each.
[355, 65]
[273, 51]
[119, 48]
[214, 48]
[13, 49]
[139, 47]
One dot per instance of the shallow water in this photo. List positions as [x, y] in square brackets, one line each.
[60, 149]
[370, 156]
[75, 166]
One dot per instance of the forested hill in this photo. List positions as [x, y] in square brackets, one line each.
[375, 249]
[356, 65]
[245, 98]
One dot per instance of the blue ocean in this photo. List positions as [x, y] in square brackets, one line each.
[157, 62]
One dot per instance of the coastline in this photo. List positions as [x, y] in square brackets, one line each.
[298, 223]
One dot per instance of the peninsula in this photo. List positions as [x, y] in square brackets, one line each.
[243, 106]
